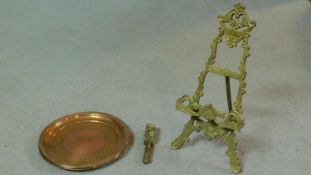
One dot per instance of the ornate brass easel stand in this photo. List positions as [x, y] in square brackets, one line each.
[235, 27]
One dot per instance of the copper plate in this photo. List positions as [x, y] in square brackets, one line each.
[85, 140]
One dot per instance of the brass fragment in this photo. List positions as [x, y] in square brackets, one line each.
[149, 141]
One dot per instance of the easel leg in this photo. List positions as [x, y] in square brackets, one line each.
[184, 136]
[230, 140]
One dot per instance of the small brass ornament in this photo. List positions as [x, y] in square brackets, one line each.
[150, 136]
[235, 28]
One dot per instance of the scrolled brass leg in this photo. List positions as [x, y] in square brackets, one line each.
[183, 138]
[230, 140]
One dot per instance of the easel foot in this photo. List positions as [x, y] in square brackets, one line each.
[179, 142]
[183, 138]
[235, 163]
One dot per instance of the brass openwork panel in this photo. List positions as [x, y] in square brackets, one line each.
[235, 28]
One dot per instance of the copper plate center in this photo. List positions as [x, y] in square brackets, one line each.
[84, 141]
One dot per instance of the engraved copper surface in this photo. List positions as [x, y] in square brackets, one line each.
[84, 141]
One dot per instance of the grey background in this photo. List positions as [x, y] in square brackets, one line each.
[133, 59]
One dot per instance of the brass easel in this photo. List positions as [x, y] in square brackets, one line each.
[235, 27]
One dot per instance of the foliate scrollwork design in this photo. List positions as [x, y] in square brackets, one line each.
[235, 24]
[235, 28]
[229, 120]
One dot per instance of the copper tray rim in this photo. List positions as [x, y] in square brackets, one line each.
[100, 164]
